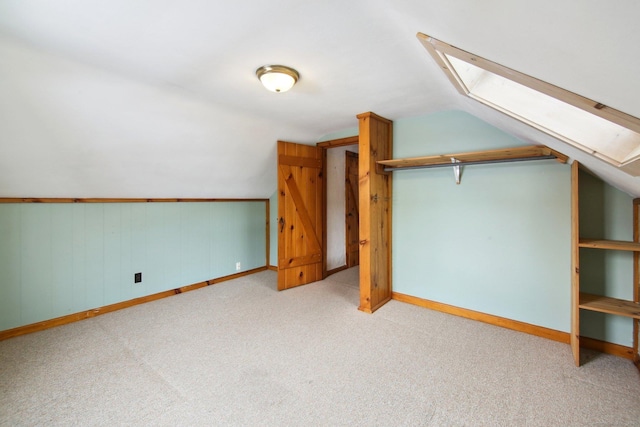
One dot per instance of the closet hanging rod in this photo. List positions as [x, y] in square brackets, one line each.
[470, 163]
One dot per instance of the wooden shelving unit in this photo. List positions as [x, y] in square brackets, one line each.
[609, 305]
[514, 154]
[609, 244]
[601, 303]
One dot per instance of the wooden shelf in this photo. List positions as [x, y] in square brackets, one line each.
[533, 152]
[609, 305]
[585, 301]
[616, 245]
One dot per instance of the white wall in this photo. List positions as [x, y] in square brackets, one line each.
[336, 249]
[72, 130]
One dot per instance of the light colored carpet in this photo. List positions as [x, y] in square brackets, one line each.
[241, 353]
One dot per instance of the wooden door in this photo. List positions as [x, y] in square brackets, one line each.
[301, 207]
[351, 208]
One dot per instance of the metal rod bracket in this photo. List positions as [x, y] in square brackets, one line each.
[456, 169]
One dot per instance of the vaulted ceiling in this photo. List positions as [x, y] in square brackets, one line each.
[159, 98]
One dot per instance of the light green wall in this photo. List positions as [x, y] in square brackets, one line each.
[58, 259]
[605, 213]
[499, 242]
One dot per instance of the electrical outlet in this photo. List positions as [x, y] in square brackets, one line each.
[137, 278]
[238, 266]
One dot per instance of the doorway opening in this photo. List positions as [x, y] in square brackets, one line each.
[307, 238]
[342, 214]
[352, 211]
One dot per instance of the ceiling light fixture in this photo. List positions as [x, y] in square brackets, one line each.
[277, 78]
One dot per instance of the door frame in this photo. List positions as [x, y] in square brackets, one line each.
[375, 142]
[326, 145]
[351, 260]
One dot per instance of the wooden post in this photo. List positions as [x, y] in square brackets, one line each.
[636, 279]
[268, 232]
[375, 143]
[575, 263]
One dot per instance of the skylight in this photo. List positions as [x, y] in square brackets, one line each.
[599, 130]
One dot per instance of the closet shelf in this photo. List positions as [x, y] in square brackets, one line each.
[609, 305]
[600, 303]
[616, 245]
[514, 154]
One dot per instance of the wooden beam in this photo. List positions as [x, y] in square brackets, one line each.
[560, 158]
[116, 200]
[376, 143]
[504, 154]
[268, 232]
[636, 279]
[616, 245]
[350, 140]
[609, 305]
[575, 263]
[305, 162]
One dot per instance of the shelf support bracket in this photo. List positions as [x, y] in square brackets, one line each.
[456, 169]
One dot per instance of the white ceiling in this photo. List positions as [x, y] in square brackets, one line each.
[159, 98]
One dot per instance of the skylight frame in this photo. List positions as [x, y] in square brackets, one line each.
[631, 164]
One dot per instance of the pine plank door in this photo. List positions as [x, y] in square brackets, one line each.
[352, 223]
[301, 207]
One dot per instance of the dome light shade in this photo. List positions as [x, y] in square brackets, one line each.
[277, 78]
